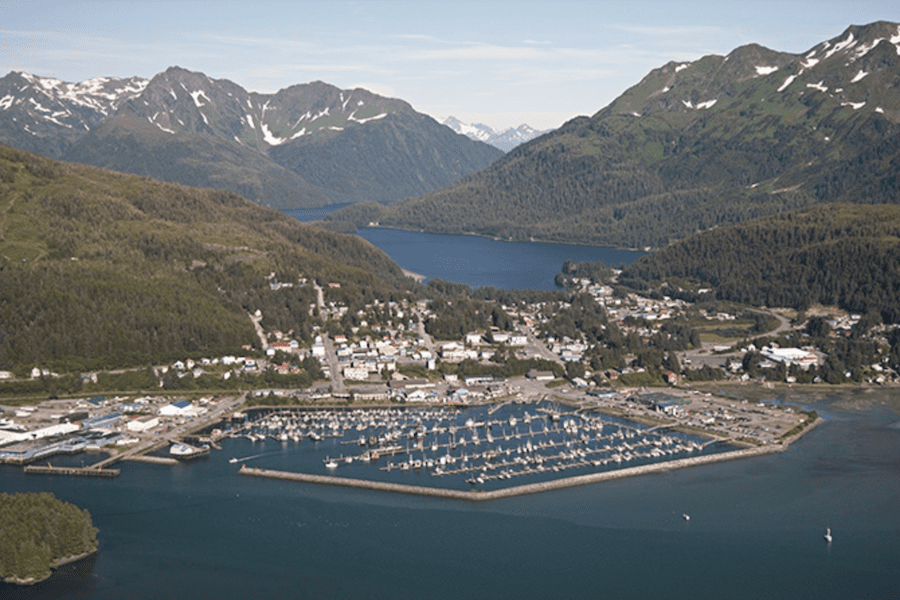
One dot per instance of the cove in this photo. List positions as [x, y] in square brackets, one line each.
[477, 261]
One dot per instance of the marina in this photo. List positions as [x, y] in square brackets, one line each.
[483, 448]
[290, 528]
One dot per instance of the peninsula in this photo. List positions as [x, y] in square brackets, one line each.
[39, 534]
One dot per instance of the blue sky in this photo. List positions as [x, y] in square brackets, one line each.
[497, 62]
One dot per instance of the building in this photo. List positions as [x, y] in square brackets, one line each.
[176, 409]
[142, 424]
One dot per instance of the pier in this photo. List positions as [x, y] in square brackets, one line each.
[83, 472]
[532, 488]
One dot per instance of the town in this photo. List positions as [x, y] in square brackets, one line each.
[648, 358]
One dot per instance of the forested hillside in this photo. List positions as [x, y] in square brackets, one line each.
[837, 255]
[100, 269]
[692, 146]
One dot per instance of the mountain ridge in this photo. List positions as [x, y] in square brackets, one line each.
[693, 146]
[261, 138]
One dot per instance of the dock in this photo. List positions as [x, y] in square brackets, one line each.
[83, 471]
[154, 460]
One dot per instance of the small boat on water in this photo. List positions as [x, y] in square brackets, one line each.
[686, 516]
[827, 535]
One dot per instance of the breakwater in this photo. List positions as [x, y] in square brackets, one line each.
[532, 488]
[83, 472]
[149, 458]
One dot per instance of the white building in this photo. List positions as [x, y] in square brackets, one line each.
[143, 424]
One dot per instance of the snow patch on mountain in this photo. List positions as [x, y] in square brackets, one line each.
[765, 70]
[367, 119]
[269, 138]
[196, 96]
[844, 45]
[818, 86]
[786, 83]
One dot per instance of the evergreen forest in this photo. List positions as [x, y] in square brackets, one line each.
[38, 533]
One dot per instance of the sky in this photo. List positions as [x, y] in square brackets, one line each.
[497, 62]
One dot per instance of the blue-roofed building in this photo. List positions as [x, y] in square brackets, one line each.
[178, 408]
[102, 421]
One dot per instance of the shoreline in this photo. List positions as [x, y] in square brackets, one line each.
[529, 240]
[66, 560]
[531, 488]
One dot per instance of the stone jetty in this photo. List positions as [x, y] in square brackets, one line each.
[532, 488]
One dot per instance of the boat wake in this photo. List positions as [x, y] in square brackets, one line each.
[246, 458]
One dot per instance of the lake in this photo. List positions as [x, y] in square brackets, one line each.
[477, 261]
[200, 530]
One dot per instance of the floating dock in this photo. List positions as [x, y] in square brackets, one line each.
[532, 488]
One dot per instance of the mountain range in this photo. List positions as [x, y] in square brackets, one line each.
[303, 146]
[505, 140]
[692, 146]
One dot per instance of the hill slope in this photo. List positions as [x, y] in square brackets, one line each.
[105, 269]
[288, 149]
[836, 255]
[695, 145]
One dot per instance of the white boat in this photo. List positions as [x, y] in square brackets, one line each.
[686, 516]
[828, 534]
[331, 464]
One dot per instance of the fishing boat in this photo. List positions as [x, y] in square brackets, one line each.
[828, 534]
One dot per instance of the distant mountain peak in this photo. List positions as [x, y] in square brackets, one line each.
[505, 140]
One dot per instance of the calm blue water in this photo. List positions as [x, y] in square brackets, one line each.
[200, 530]
[477, 261]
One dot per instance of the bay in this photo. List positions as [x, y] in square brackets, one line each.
[202, 530]
[477, 261]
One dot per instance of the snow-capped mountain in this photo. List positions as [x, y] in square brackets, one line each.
[47, 115]
[305, 145]
[505, 140]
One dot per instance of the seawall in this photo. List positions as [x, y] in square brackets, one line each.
[532, 488]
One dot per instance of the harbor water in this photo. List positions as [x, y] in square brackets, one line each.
[756, 528]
